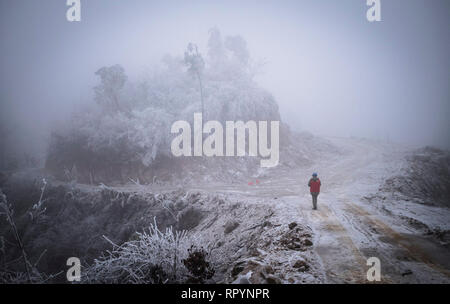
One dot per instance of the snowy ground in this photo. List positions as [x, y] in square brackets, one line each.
[347, 229]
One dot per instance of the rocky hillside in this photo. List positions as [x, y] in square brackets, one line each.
[425, 179]
[85, 222]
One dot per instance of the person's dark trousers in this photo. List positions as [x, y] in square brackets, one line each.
[314, 199]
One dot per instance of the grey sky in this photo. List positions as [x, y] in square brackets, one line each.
[331, 71]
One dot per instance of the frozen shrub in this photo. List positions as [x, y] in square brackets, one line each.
[20, 270]
[153, 257]
[199, 268]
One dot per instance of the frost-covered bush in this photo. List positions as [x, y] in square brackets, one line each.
[19, 270]
[155, 257]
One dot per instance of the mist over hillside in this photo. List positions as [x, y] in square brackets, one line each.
[127, 135]
[155, 142]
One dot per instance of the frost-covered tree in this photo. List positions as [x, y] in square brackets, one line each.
[195, 63]
[133, 140]
[107, 94]
[216, 49]
[238, 47]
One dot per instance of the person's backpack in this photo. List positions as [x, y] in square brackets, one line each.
[314, 185]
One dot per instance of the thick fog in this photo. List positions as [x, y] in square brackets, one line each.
[330, 70]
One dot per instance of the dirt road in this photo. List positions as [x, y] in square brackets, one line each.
[348, 230]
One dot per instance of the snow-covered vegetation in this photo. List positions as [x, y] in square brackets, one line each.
[127, 133]
[155, 257]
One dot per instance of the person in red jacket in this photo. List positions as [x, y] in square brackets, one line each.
[314, 187]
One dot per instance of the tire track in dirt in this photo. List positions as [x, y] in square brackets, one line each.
[342, 261]
[413, 248]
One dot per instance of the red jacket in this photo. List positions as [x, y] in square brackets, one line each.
[314, 185]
